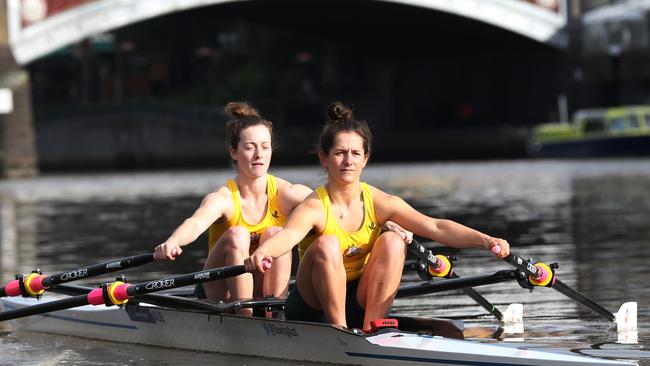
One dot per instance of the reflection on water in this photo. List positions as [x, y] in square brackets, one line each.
[589, 216]
[25, 348]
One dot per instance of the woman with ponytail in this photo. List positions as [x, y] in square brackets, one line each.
[350, 273]
[242, 213]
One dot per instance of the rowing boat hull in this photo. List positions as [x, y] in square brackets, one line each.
[301, 341]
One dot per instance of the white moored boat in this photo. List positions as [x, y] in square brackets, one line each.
[213, 331]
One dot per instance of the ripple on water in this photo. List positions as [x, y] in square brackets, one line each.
[590, 216]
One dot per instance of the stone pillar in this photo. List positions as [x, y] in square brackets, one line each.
[18, 156]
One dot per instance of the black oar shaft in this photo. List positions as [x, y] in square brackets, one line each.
[431, 287]
[97, 269]
[575, 295]
[184, 280]
[530, 269]
[44, 307]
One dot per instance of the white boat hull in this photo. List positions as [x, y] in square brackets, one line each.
[302, 341]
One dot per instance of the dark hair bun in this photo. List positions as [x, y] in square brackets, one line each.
[240, 110]
[338, 112]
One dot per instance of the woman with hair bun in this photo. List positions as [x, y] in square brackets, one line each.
[242, 213]
[349, 275]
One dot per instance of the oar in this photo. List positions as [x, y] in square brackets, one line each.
[181, 299]
[440, 266]
[541, 274]
[34, 284]
[118, 293]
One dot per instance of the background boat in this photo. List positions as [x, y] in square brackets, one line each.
[619, 131]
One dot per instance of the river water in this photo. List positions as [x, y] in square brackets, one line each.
[590, 216]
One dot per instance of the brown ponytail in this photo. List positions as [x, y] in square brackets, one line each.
[241, 116]
[341, 119]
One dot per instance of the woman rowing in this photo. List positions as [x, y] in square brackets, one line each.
[244, 212]
[252, 196]
[350, 273]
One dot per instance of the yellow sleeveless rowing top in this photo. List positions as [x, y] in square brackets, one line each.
[273, 215]
[355, 246]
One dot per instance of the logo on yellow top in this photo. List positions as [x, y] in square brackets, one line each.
[352, 250]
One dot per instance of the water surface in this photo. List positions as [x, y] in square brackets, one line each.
[590, 216]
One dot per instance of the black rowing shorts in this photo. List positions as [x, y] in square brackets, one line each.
[296, 308]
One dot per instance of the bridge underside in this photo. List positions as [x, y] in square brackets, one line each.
[33, 38]
[433, 85]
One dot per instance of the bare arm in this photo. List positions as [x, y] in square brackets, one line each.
[406, 235]
[447, 232]
[306, 216]
[213, 206]
[291, 195]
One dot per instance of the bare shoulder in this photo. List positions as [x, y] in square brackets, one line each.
[312, 201]
[214, 205]
[385, 203]
[222, 191]
[310, 211]
[221, 195]
[281, 182]
[293, 191]
[310, 205]
[379, 196]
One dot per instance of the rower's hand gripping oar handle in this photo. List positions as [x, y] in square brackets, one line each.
[35, 283]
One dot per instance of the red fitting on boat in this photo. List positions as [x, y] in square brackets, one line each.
[13, 288]
[96, 296]
[443, 269]
[378, 324]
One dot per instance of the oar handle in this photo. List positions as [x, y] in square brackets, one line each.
[34, 284]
